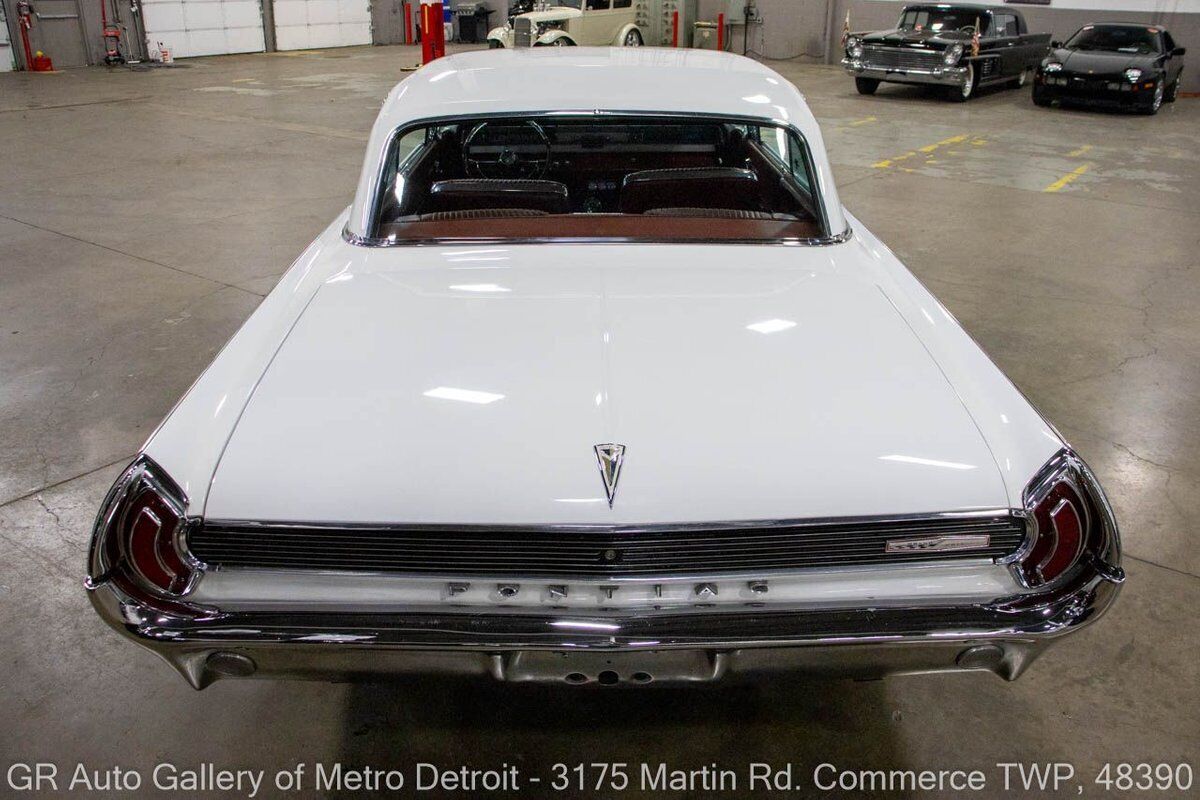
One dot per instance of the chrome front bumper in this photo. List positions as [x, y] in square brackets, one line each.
[940, 76]
[680, 645]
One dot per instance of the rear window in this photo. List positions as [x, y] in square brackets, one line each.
[597, 178]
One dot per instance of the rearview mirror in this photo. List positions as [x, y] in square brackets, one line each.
[1178, 51]
[1055, 44]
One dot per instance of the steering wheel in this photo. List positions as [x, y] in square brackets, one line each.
[507, 150]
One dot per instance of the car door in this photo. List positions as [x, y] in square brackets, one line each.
[1174, 63]
[597, 26]
[1007, 43]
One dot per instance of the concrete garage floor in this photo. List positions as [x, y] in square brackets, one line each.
[143, 215]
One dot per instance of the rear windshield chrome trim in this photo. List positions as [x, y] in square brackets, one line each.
[368, 220]
[466, 241]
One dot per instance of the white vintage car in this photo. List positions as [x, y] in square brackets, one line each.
[600, 383]
[571, 22]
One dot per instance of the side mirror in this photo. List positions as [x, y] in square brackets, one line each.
[1055, 44]
[1179, 51]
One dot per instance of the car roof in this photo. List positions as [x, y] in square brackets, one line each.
[592, 80]
[1145, 25]
[967, 6]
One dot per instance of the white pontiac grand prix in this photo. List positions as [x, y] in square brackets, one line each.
[597, 382]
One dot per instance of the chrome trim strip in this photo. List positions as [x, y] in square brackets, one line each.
[997, 514]
[464, 241]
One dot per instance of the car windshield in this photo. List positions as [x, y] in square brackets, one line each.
[942, 19]
[1121, 39]
[597, 178]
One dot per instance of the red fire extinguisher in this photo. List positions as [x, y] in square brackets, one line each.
[433, 31]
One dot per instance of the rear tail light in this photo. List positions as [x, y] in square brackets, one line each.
[1071, 523]
[137, 539]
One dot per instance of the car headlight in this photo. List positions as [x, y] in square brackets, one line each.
[1053, 66]
[953, 55]
[1133, 75]
[854, 47]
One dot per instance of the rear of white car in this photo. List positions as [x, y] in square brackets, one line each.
[593, 459]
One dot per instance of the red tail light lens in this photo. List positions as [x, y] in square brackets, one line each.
[1062, 519]
[1070, 518]
[135, 542]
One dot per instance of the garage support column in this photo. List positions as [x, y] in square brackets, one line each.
[268, 20]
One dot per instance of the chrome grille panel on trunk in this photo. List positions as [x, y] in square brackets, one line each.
[900, 58]
[600, 552]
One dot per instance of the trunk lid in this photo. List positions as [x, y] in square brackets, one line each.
[470, 385]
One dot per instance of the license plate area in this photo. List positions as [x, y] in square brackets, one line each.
[640, 667]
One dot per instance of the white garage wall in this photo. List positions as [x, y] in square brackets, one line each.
[303, 24]
[204, 27]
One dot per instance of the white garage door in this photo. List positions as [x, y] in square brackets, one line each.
[6, 51]
[204, 27]
[303, 24]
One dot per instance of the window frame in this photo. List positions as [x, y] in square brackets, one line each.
[372, 205]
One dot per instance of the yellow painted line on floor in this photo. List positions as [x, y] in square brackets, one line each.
[887, 162]
[1067, 179]
[863, 121]
[1080, 151]
[245, 80]
[979, 142]
[927, 149]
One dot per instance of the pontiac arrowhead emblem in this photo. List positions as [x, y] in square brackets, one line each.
[609, 457]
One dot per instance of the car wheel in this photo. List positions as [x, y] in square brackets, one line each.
[866, 85]
[961, 94]
[1156, 102]
[633, 39]
[562, 41]
[495, 45]
[1039, 97]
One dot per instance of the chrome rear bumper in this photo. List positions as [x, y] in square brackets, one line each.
[669, 645]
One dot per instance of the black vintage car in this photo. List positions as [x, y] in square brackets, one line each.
[1117, 64]
[936, 44]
